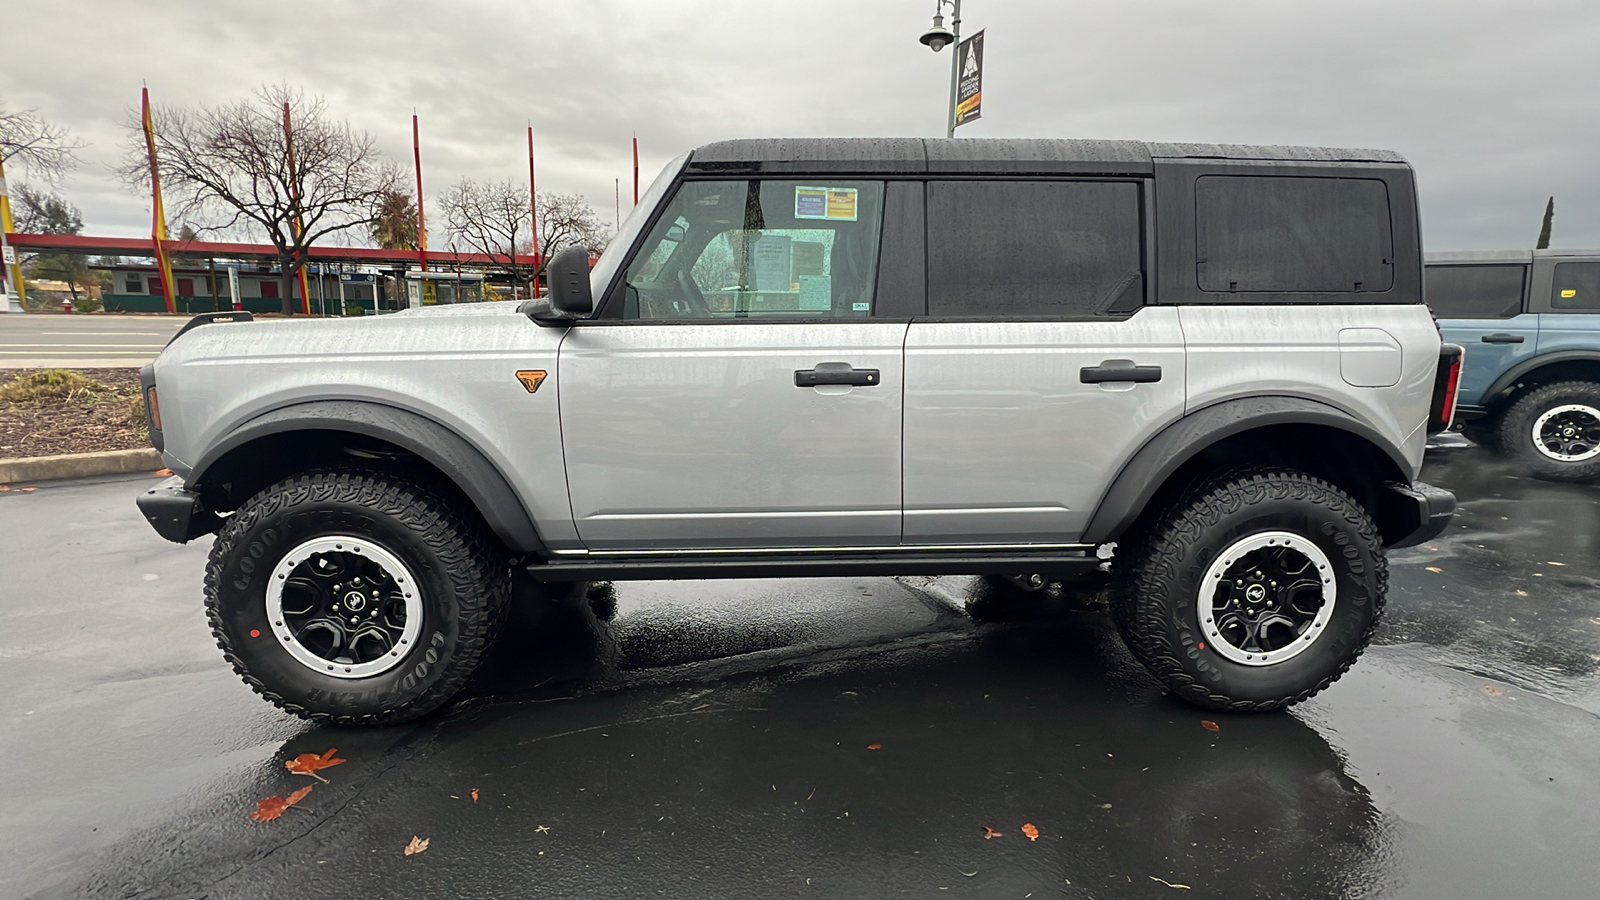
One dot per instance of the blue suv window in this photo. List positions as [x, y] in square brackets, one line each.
[1474, 292]
[1577, 286]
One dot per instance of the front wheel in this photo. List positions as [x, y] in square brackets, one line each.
[1555, 431]
[1253, 592]
[354, 597]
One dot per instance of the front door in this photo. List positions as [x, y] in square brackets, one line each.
[736, 392]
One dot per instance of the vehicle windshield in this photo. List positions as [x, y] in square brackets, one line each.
[605, 269]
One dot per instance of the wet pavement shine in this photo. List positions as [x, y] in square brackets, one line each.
[828, 738]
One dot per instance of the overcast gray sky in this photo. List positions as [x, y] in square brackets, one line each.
[1495, 102]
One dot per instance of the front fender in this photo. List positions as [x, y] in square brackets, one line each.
[484, 484]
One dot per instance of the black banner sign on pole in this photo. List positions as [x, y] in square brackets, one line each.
[969, 84]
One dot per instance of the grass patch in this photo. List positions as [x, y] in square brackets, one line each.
[46, 385]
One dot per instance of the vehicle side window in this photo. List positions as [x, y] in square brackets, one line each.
[1293, 234]
[1577, 286]
[760, 249]
[1474, 292]
[1042, 248]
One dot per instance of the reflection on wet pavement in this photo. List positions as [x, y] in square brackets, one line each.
[716, 739]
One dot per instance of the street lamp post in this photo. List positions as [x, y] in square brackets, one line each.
[936, 38]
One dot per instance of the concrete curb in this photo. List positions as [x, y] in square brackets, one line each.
[79, 465]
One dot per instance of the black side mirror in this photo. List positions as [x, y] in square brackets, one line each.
[568, 274]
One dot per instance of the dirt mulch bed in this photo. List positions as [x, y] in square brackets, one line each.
[105, 415]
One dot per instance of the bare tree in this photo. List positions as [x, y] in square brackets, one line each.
[46, 151]
[492, 218]
[229, 168]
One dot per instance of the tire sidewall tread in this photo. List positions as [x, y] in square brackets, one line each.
[1154, 599]
[463, 577]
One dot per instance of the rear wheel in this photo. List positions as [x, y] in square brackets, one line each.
[1253, 592]
[1555, 430]
[354, 597]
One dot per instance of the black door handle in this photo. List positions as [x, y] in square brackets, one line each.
[835, 373]
[1503, 339]
[1119, 370]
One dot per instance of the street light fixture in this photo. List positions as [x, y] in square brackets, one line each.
[935, 38]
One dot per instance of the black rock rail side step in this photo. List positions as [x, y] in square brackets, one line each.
[692, 565]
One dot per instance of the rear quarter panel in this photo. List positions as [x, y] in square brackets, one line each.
[1294, 350]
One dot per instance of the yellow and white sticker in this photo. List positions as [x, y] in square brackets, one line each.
[834, 203]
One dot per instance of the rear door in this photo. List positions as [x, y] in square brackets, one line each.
[1571, 320]
[738, 392]
[1482, 307]
[1038, 370]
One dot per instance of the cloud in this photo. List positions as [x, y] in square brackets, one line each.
[1493, 103]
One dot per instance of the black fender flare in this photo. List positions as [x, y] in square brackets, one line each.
[1502, 385]
[1169, 449]
[484, 485]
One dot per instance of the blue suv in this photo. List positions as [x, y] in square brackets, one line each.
[1530, 384]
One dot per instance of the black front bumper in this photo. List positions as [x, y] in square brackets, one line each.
[176, 513]
[1414, 513]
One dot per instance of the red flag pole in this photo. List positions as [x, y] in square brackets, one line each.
[422, 226]
[158, 215]
[294, 201]
[533, 211]
[636, 170]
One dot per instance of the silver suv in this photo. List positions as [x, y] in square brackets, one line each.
[1204, 374]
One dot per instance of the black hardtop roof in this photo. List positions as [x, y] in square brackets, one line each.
[992, 155]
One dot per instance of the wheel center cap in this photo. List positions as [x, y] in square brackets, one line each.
[354, 601]
[1255, 593]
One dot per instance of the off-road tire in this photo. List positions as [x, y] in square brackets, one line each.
[1154, 596]
[463, 575]
[1516, 430]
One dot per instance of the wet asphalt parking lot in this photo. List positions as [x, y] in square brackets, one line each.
[716, 739]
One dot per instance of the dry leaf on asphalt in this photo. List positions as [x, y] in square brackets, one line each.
[1209, 725]
[1522, 593]
[4, 488]
[1434, 569]
[311, 763]
[417, 845]
[1181, 887]
[1554, 563]
[991, 833]
[164, 473]
[1030, 832]
[874, 746]
[474, 795]
[1493, 690]
[273, 807]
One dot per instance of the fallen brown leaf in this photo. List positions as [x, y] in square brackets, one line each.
[874, 746]
[1030, 832]
[1554, 563]
[1434, 569]
[311, 763]
[4, 488]
[164, 473]
[1493, 690]
[991, 833]
[24, 490]
[1181, 887]
[1209, 725]
[1522, 593]
[474, 795]
[417, 845]
[273, 807]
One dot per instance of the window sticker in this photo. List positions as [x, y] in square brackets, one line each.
[834, 203]
[769, 263]
[860, 307]
[816, 292]
[1568, 293]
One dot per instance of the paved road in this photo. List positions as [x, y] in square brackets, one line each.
[29, 340]
[713, 739]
